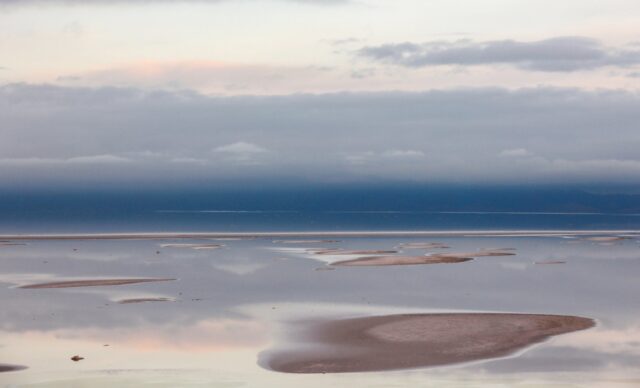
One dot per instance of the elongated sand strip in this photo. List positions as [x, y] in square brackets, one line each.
[605, 239]
[193, 246]
[144, 300]
[550, 262]
[346, 252]
[93, 283]
[415, 341]
[423, 246]
[400, 260]
[11, 368]
[305, 241]
[437, 258]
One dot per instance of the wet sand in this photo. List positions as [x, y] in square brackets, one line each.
[400, 260]
[605, 239]
[144, 300]
[11, 368]
[352, 252]
[417, 340]
[428, 245]
[93, 283]
[438, 258]
[305, 241]
[550, 262]
[193, 246]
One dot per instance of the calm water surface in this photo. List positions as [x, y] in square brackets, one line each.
[230, 304]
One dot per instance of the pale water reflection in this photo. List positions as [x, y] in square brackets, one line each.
[228, 305]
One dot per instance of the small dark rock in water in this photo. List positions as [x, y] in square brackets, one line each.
[76, 358]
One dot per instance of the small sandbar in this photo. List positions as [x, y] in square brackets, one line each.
[144, 300]
[352, 252]
[93, 283]
[436, 258]
[423, 245]
[11, 368]
[305, 241]
[605, 239]
[411, 341]
[550, 262]
[400, 260]
[193, 246]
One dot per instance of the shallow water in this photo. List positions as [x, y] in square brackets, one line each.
[229, 305]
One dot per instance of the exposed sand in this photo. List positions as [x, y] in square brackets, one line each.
[193, 246]
[305, 241]
[550, 262]
[11, 368]
[605, 239]
[352, 252]
[437, 258]
[10, 244]
[93, 283]
[400, 260]
[415, 341]
[423, 245]
[144, 300]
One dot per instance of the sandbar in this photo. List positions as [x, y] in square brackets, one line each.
[400, 260]
[305, 241]
[11, 368]
[423, 245]
[352, 252]
[436, 258]
[550, 262]
[415, 341]
[93, 283]
[144, 300]
[605, 239]
[192, 246]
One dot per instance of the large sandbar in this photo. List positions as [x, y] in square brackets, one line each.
[416, 340]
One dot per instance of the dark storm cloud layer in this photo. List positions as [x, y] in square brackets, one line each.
[557, 54]
[59, 134]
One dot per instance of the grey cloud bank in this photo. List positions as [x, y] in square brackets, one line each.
[561, 54]
[53, 135]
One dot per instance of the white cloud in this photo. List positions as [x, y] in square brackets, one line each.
[516, 152]
[241, 147]
[403, 154]
[98, 159]
[188, 160]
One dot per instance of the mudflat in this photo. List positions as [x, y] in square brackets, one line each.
[416, 340]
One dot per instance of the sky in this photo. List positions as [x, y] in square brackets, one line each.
[174, 92]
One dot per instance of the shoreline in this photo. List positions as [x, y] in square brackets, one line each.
[319, 234]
